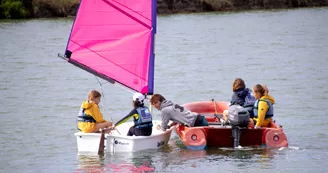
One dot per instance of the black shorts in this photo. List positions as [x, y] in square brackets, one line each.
[140, 132]
[200, 121]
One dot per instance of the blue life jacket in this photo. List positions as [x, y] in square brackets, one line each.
[268, 114]
[249, 102]
[249, 99]
[82, 117]
[144, 119]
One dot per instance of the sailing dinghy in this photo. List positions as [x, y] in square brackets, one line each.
[114, 40]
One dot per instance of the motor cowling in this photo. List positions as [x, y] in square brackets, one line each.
[238, 116]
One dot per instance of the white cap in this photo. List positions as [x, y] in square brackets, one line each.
[138, 96]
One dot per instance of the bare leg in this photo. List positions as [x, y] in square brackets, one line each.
[103, 125]
[225, 115]
[251, 123]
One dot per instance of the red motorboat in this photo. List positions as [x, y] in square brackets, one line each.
[218, 134]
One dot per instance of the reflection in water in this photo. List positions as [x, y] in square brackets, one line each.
[142, 164]
[90, 163]
[112, 162]
[244, 157]
[175, 154]
[171, 158]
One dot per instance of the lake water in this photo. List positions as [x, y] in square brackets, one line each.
[197, 58]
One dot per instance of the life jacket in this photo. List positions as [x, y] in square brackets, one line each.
[249, 103]
[268, 114]
[249, 99]
[82, 117]
[144, 120]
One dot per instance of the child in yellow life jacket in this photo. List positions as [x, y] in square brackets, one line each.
[90, 119]
[263, 107]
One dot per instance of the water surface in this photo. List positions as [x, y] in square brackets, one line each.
[197, 58]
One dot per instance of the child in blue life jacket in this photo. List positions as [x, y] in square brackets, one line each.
[141, 116]
[241, 96]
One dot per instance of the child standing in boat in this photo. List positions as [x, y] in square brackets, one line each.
[175, 113]
[90, 119]
[141, 116]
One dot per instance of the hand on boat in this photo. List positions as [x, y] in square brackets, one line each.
[112, 127]
[172, 124]
[257, 127]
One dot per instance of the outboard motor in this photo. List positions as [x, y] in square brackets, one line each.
[239, 118]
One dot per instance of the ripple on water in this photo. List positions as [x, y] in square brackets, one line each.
[41, 93]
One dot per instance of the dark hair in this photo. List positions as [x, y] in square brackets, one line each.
[156, 97]
[137, 103]
[238, 84]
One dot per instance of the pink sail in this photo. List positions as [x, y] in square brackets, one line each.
[114, 39]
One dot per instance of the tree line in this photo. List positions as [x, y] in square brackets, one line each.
[15, 9]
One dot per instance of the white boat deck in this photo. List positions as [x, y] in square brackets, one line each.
[118, 141]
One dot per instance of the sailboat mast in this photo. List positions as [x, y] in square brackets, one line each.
[151, 72]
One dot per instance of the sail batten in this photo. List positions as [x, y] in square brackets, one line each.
[115, 40]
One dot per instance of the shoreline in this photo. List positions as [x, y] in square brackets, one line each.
[50, 9]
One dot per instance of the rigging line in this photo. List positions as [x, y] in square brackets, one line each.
[102, 103]
[124, 87]
[103, 94]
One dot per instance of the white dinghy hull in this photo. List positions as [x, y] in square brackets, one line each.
[117, 141]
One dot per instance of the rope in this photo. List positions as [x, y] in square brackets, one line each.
[220, 117]
[102, 103]
[103, 94]
[216, 112]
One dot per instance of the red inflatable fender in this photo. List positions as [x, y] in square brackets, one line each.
[195, 137]
[274, 138]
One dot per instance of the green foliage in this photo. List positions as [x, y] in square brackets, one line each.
[220, 4]
[13, 9]
[58, 8]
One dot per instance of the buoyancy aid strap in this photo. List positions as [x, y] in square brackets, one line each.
[270, 107]
[86, 118]
[82, 117]
[144, 125]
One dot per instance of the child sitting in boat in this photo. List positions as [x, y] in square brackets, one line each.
[175, 113]
[263, 107]
[141, 116]
[90, 119]
[242, 96]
